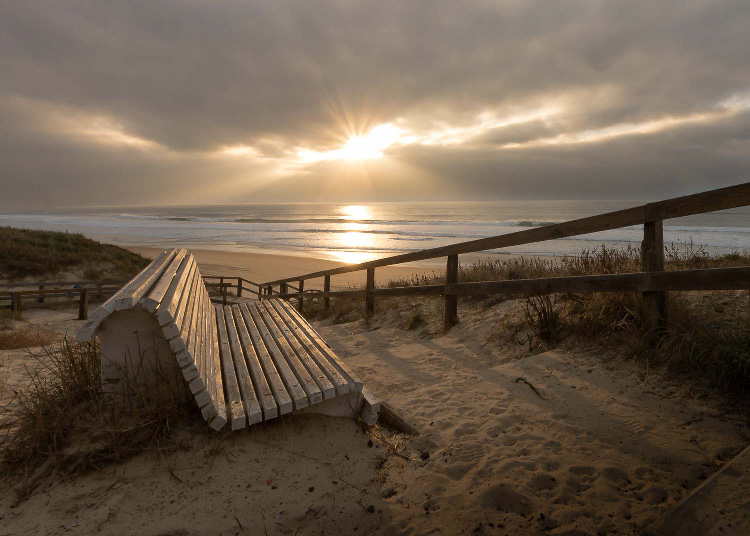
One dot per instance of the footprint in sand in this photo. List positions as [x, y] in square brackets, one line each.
[501, 498]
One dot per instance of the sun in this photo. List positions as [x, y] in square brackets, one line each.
[358, 148]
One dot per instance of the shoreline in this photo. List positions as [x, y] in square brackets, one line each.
[262, 267]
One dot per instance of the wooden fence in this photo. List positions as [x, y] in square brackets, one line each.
[653, 282]
[19, 296]
[225, 282]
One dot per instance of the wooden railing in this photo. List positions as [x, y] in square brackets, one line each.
[226, 282]
[19, 296]
[652, 281]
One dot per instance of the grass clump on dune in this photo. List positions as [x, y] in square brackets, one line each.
[25, 253]
[708, 333]
[63, 422]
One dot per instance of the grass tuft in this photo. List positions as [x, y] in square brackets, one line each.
[63, 422]
[14, 339]
[27, 253]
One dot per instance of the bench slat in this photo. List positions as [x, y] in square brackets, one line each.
[252, 406]
[209, 410]
[175, 327]
[338, 381]
[214, 372]
[167, 309]
[195, 343]
[355, 384]
[157, 294]
[269, 371]
[314, 394]
[262, 389]
[293, 387]
[134, 290]
[236, 412]
[318, 376]
[180, 333]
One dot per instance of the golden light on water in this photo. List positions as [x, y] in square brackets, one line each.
[354, 239]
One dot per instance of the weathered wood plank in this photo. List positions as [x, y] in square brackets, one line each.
[175, 327]
[312, 368]
[314, 394]
[139, 286]
[210, 409]
[178, 334]
[450, 318]
[216, 382]
[355, 384]
[253, 413]
[262, 389]
[337, 380]
[293, 387]
[157, 294]
[168, 306]
[271, 374]
[195, 344]
[652, 260]
[236, 411]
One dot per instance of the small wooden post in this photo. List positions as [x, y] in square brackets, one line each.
[652, 260]
[451, 302]
[300, 301]
[83, 304]
[14, 302]
[326, 300]
[224, 293]
[370, 298]
[283, 289]
[99, 290]
[239, 287]
[41, 294]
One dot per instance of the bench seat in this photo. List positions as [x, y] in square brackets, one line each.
[243, 363]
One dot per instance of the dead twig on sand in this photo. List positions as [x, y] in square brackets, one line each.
[527, 382]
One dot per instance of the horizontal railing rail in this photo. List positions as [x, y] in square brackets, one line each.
[652, 281]
[711, 201]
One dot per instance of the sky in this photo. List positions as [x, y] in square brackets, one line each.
[213, 101]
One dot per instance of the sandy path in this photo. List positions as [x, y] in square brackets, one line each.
[604, 452]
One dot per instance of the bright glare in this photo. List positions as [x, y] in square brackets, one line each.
[356, 212]
[358, 147]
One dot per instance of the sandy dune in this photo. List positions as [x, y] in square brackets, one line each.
[596, 447]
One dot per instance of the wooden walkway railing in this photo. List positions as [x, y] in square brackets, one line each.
[18, 293]
[208, 280]
[652, 281]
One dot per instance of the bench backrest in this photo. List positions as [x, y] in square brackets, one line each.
[168, 293]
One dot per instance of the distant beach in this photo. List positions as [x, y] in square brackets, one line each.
[356, 233]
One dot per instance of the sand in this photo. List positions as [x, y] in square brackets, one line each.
[604, 447]
[261, 267]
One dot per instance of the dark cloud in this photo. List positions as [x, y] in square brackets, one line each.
[190, 77]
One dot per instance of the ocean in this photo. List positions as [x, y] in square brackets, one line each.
[357, 233]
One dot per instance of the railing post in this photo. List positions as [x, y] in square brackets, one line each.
[326, 300]
[41, 294]
[300, 300]
[223, 293]
[239, 287]
[451, 301]
[83, 304]
[14, 302]
[370, 298]
[652, 260]
[99, 290]
[283, 289]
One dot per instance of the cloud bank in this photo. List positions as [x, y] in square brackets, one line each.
[195, 102]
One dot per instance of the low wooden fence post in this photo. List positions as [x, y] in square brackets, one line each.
[652, 260]
[370, 298]
[41, 294]
[283, 289]
[15, 302]
[224, 293]
[300, 300]
[239, 287]
[83, 304]
[451, 302]
[326, 300]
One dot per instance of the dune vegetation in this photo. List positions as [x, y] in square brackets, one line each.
[708, 335]
[28, 253]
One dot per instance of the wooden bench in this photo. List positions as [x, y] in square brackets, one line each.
[243, 363]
